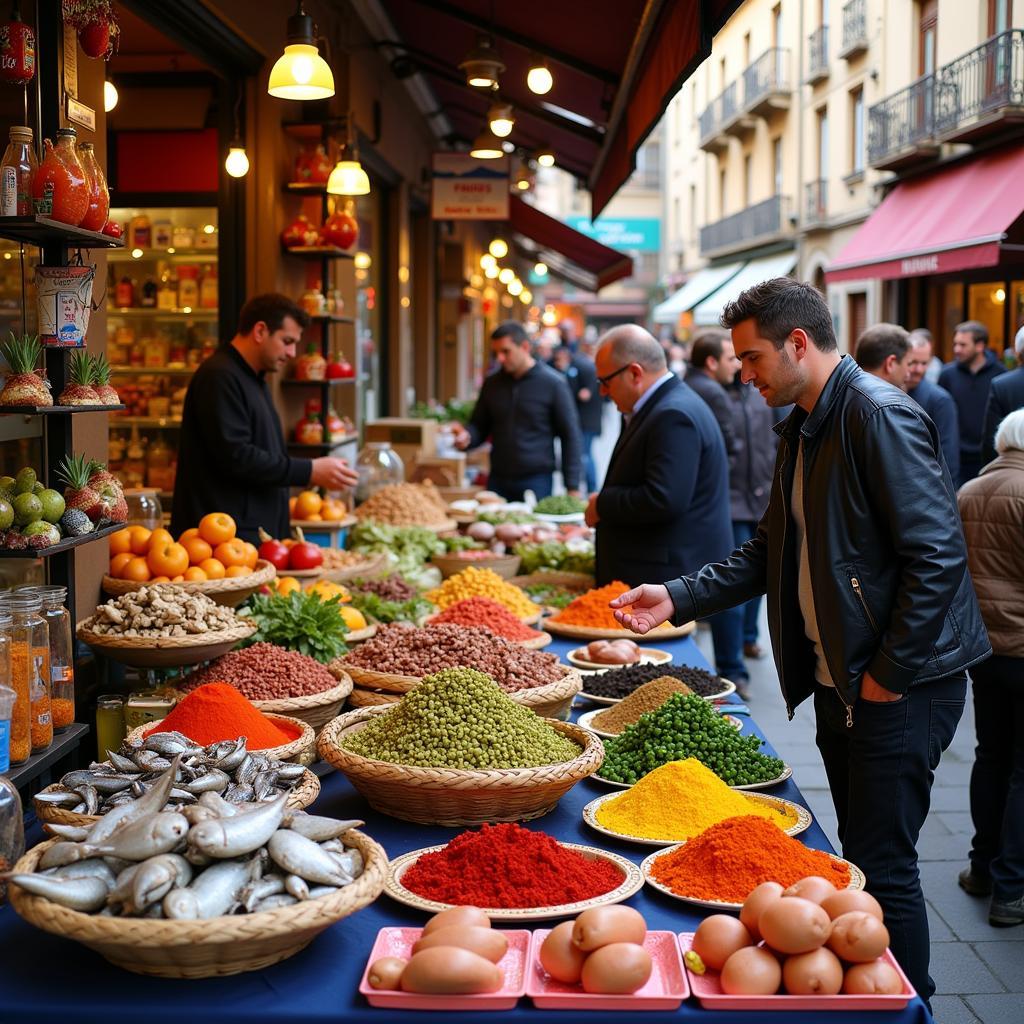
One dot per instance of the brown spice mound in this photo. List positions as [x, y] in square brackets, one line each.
[648, 697]
[265, 672]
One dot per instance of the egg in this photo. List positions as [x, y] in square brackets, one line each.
[601, 926]
[846, 900]
[448, 970]
[754, 905]
[877, 977]
[813, 888]
[751, 971]
[464, 917]
[858, 937]
[386, 973]
[486, 942]
[717, 938]
[792, 924]
[559, 957]
[620, 967]
[818, 973]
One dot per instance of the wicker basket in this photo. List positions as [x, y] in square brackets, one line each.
[231, 592]
[598, 633]
[451, 797]
[506, 566]
[570, 580]
[554, 699]
[373, 565]
[315, 709]
[299, 797]
[394, 683]
[360, 698]
[164, 651]
[301, 750]
[206, 948]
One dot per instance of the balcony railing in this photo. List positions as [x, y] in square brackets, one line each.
[855, 29]
[722, 109]
[974, 91]
[901, 129]
[754, 224]
[816, 202]
[766, 82]
[817, 57]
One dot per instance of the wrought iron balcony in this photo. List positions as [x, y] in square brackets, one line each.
[982, 92]
[901, 129]
[855, 29]
[716, 115]
[766, 84]
[817, 55]
[816, 202]
[754, 225]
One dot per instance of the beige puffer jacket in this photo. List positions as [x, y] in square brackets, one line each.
[992, 509]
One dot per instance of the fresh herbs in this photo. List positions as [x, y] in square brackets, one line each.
[407, 547]
[576, 556]
[300, 621]
[415, 610]
[560, 505]
[549, 594]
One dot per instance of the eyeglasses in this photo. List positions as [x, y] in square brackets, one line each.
[604, 381]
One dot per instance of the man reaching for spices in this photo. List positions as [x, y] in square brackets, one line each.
[870, 605]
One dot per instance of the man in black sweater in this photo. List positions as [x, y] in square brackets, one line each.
[522, 408]
[232, 456]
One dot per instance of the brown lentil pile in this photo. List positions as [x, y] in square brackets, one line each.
[405, 505]
[388, 588]
[265, 672]
[617, 683]
[648, 697]
[406, 650]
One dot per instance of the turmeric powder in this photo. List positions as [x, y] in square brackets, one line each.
[680, 800]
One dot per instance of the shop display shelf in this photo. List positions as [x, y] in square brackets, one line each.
[64, 743]
[170, 253]
[39, 230]
[169, 422]
[322, 449]
[152, 313]
[318, 252]
[54, 410]
[291, 383]
[331, 318]
[306, 188]
[148, 371]
[64, 545]
[308, 131]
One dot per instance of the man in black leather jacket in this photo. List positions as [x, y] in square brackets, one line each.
[870, 605]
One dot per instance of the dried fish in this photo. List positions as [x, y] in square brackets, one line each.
[298, 855]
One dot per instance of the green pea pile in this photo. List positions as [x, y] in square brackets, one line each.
[687, 726]
[460, 718]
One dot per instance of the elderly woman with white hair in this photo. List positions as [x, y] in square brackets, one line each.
[1005, 395]
[992, 510]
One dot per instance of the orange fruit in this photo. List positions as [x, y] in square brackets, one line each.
[167, 558]
[187, 535]
[120, 542]
[197, 548]
[212, 568]
[159, 536]
[194, 575]
[237, 570]
[119, 561]
[160, 579]
[308, 504]
[252, 555]
[333, 511]
[136, 570]
[291, 505]
[314, 517]
[216, 528]
[231, 552]
[178, 579]
[139, 539]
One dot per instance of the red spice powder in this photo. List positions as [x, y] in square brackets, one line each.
[216, 712]
[509, 866]
[482, 611]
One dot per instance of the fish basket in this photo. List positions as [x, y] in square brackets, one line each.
[299, 796]
[315, 709]
[301, 750]
[454, 797]
[208, 948]
[506, 566]
[230, 592]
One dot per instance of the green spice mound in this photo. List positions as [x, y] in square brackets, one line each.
[687, 726]
[459, 718]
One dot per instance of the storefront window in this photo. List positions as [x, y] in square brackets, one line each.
[986, 302]
[1016, 308]
[369, 303]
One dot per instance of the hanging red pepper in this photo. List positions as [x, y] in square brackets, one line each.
[96, 25]
[17, 50]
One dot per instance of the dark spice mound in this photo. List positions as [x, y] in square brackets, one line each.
[621, 682]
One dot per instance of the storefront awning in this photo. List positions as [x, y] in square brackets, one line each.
[698, 288]
[709, 312]
[965, 216]
[569, 253]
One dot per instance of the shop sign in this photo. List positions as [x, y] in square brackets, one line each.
[81, 114]
[468, 189]
[70, 61]
[641, 234]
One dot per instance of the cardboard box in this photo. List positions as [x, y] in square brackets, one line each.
[410, 438]
[445, 471]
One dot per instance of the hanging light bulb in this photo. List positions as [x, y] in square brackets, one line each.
[109, 96]
[498, 248]
[487, 260]
[506, 275]
[348, 179]
[546, 158]
[482, 65]
[524, 180]
[362, 260]
[526, 296]
[539, 79]
[491, 271]
[515, 286]
[486, 146]
[540, 269]
[237, 162]
[501, 119]
[300, 72]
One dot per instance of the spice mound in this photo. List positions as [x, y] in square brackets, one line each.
[405, 650]
[687, 726]
[474, 582]
[617, 683]
[458, 718]
[506, 865]
[730, 859]
[265, 672]
[405, 505]
[680, 800]
[161, 612]
[216, 712]
[591, 608]
[648, 697]
[482, 611]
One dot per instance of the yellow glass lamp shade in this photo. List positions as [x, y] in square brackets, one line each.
[348, 179]
[301, 74]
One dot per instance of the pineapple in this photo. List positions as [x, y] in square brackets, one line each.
[110, 491]
[101, 381]
[24, 386]
[79, 495]
[79, 390]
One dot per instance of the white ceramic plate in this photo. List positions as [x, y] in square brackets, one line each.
[729, 687]
[648, 656]
[586, 720]
[786, 773]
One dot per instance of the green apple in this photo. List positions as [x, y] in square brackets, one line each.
[8, 487]
[6, 514]
[41, 527]
[38, 487]
[53, 504]
[27, 509]
[25, 480]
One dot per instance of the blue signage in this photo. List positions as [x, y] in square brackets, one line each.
[640, 234]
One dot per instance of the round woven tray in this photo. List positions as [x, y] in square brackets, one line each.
[597, 633]
[302, 795]
[359, 635]
[443, 526]
[536, 643]
[506, 566]
[326, 525]
[165, 651]
[394, 683]
[230, 592]
[315, 709]
[570, 580]
[301, 750]
[450, 797]
[360, 698]
[207, 948]
[372, 565]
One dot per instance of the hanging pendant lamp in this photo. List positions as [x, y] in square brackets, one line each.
[300, 72]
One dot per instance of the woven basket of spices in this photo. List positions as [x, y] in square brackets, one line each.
[212, 947]
[315, 709]
[450, 796]
[230, 591]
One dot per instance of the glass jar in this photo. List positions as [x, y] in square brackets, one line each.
[16, 173]
[145, 706]
[6, 710]
[12, 830]
[378, 466]
[60, 189]
[30, 660]
[20, 744]
[99, 195]
[144, 507]
[109, 724]
[62, 661]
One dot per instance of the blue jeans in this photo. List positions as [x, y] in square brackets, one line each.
[727, 637]
[880, 772]
[742, 531]
[512, 488]
[589, 469]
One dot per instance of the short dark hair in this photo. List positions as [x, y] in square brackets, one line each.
[271, 308]
[781, 305]
[877, 343]
[975, 328]
[510, 329]
[707, 345]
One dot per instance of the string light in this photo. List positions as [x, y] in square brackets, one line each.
[498, 248]
[539, 79]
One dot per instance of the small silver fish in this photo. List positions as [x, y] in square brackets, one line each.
[289, 772]
[317, 827]
[92, 868]
[60, 854]
[238, 794]
[298, 855]
[121, 893]
[247, 771]
[211, 894]
[165, 744]
[140, 840]
[156, 877]
[229, 754]
[73, 833]
[150, 760]
[260, 889]
[297, 887]
[120, 762]
[153, 801]
[233, 837]
[221, 806]
[86, 894]
[102, 783]
[90, 797]
[215, 781]
[58, 799]
[264, 784]
[322, 890]
[195, 813]
[275, 902]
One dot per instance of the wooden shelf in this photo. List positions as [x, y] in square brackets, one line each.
[306, 188]
[330, 318]
[64, 743]
[318, 252]
[290, 383]
[164, 422]
[171, 253]
[308, 131]
[54, 410]
[152, 313]
[146, 371]
[64, 545]
[323, 449]
[39, 230]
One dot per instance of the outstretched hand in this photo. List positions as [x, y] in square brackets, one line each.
[651, 607]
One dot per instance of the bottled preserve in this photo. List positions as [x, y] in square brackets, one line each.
[99, 195]
[30, 664]
[12, 830]
[62, 662]
[20, 745]
[16, 174]
[60, 189]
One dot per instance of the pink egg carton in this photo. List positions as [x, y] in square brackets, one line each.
[399, 942]
[666, 988]
[708, 990]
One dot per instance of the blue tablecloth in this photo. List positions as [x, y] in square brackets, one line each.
[45, 978]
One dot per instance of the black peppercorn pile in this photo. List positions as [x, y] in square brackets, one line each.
[617, 683]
